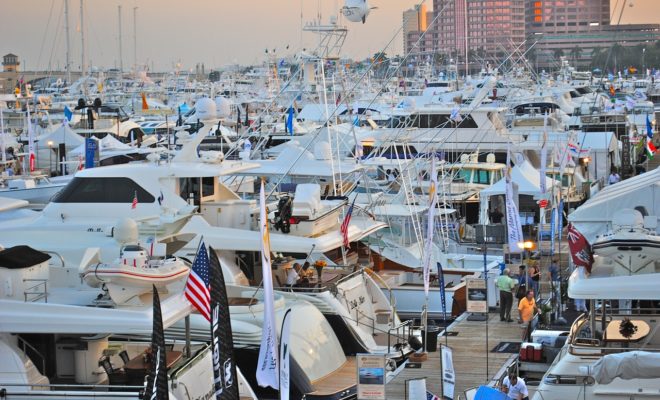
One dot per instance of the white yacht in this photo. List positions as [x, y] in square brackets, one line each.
[62, 340]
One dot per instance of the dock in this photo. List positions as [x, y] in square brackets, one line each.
[471, 349]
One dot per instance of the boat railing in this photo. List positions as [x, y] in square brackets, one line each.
[37, 291]
[25, 346]
[403, 327]
[56, 254]
[77, 390]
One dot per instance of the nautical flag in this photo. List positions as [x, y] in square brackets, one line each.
[579, 248]
[134, 203]
[289, 121]
[68, 114]
[649, 128]
[285, 370]
[224, 367]
[156, 382]
[197, 285]
[430, 227]
[267, 366]
[145, 105]
[650, 148]
[344, 225]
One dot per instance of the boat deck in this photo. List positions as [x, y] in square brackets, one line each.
[342, 379]
[470, 347]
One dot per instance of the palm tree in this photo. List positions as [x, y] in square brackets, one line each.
[558, 53]
[576, 52]
[596, 55]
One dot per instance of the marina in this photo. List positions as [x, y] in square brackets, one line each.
[351, 199]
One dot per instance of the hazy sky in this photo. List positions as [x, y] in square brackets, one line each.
[215, 32]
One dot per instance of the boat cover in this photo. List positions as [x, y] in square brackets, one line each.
[489, 393]
[21, 257]
[630, 365]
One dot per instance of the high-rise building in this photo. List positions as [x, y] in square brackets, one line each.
[415, 22]
[482, 30]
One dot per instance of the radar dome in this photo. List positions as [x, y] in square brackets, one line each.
[223, 107]
[126, 231]
[490, 158]
[205, 109]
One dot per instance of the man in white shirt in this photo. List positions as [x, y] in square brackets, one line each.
[515, 387]
[292, 276]
[614, 178]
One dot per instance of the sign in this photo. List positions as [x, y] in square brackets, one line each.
[91, 152]
[371, 377]
[416, 388]
[448, 374]
[476, 295]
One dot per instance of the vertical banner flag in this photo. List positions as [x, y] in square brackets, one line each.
[285, 370]
[289, 121]
[553, 223]
[267, 366]
[2, 132]
[156, 383]
[544, 155]
[513, 226]
[224, 367]
[430, 226]
[448, 374]
[443, 295]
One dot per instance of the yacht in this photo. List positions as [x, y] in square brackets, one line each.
[61, 340]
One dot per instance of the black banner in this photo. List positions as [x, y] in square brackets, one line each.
[156, 387]
[224, 367]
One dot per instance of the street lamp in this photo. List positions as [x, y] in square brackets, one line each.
[585, 162]
[50, 156]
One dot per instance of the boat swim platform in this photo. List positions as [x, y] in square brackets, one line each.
[467, 339]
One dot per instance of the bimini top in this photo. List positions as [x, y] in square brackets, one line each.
[18, 257]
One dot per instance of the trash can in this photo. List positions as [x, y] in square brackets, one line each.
[430, 336]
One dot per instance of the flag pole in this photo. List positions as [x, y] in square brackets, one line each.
[279, 345]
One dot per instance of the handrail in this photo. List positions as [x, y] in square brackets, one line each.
[58, 255]
[402, 325]
[71, 385]
[26, 344]
[39, 295]
[189, 363]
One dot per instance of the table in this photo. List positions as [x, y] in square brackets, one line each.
[612, 332]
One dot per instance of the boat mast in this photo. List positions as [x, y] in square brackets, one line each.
[68, 44]
[135, 38]
[83, 66]
[121, 57]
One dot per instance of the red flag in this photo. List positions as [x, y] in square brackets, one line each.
[579, 248]
[135, 201]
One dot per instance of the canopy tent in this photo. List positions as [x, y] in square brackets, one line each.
[528, 181]
[594, 217]
[62, 135]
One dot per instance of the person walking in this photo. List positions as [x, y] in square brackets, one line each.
[555, 281]
[506, 284]
[527, 307]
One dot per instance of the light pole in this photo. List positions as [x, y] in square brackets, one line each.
[50, 157]
[643, 63]
[527, 246]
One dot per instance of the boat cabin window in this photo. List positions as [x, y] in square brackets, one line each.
[103, 190]
[196, 186]
[463, 175]
[482, 176]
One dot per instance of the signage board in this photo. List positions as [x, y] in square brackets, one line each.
[370, 376]
[476, 295]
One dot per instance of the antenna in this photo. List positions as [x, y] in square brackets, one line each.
[121, 57]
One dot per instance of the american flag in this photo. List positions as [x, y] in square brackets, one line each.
[431, 396]
[344, 225]
[197, 286]
[135, 201]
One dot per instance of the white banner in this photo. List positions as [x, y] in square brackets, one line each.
[448, 374]
[544, 155]
[513, 226]
[371, 377]
[428, 246]
[267, 366]
[285, 378]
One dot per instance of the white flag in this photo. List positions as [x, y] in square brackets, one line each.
[428, 246]
[513, 226]
[267, 367]
[30, 140]
[2, 132]
[448, 373]
[285, 374]
[544, 155]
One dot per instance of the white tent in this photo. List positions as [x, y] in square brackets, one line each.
[64, 134]
[528, 181]
[594, 217]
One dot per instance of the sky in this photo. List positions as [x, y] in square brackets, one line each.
[213, 32]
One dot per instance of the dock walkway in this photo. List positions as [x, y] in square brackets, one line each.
[470, 348]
